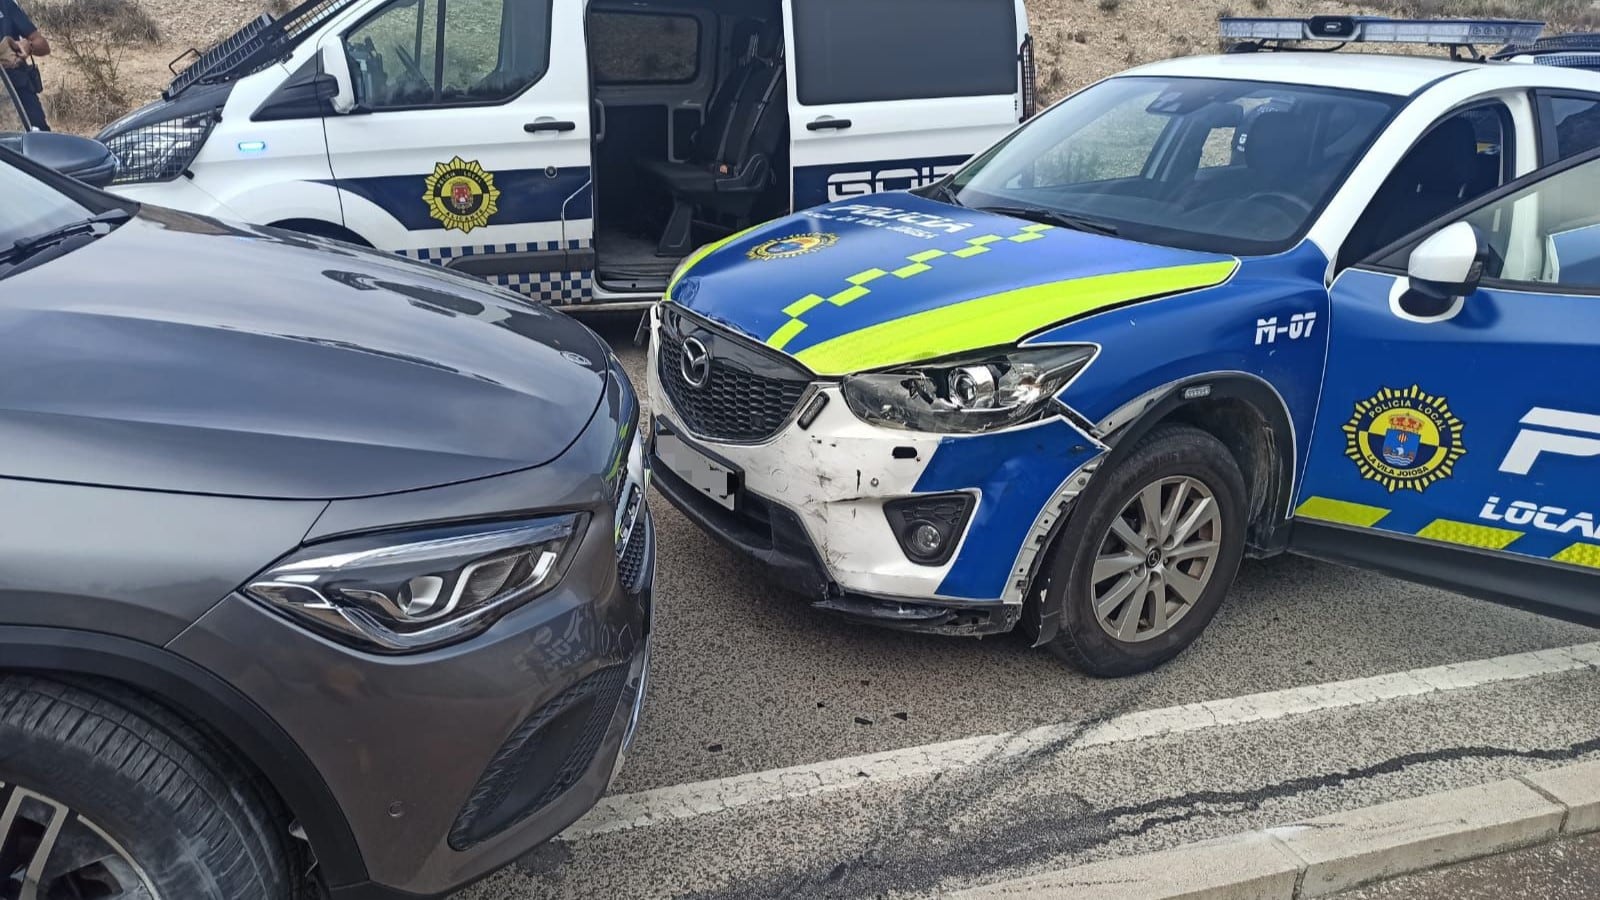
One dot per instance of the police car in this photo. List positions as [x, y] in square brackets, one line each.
[574, 151]
[1339, 305]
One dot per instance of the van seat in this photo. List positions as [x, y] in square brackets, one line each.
[730, 164]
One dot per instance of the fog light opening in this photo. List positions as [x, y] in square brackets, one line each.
[929, 528]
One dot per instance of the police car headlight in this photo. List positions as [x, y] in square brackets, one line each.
[160, 151]
[969, 395]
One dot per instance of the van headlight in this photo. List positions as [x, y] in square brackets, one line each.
[396, 592]
[160, 151]
[966, 396]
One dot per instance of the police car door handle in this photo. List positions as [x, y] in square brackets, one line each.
[828, 123]
[549, 125]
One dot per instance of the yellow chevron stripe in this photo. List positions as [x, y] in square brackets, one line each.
[1469, 535]
[996, 319]
[1587, 555]
[1341, 512]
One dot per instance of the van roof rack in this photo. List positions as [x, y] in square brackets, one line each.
[1578, 51]
[263, 41]
[1257, 34]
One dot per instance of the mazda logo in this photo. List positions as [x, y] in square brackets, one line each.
[696, 364]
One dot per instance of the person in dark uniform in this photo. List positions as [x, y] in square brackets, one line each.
[24, 41]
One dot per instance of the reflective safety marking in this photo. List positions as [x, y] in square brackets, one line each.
[1468, 535]
[698, 255]
[1031, 233]
[1587, 555]
[999, 318]
[1341, 512]
[916, 264]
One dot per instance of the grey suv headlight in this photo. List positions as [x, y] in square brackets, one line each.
[966, 396]
[160, 151]
[404, 591]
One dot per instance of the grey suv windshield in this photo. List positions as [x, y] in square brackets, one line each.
[32, 207]
[1227, 166]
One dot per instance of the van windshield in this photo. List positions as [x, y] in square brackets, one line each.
[1239, 167]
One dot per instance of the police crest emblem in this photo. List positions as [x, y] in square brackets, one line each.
[1404, 439]
[461, 195]
[794, 245]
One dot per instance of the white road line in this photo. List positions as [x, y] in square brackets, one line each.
[687, 801]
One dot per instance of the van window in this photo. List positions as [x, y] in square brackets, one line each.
[644, 48]
[423, 53]
[858, 51]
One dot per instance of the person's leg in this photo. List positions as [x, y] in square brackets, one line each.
[33, 109]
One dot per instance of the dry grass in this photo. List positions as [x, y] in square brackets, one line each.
[1079, 41]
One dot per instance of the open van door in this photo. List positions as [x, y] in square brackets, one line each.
[895, 94]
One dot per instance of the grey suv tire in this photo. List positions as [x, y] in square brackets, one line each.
[141, 801]
[1099, 579]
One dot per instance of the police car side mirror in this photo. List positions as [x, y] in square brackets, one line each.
[1445, 268]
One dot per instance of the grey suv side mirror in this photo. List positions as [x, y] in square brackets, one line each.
[1443, 269]
[87, 160]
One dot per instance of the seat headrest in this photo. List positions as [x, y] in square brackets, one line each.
[771, 40]
[746, 39]
[1447, 158]
[1278, 145]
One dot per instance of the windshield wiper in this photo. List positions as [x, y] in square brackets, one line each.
[944, 193]
[1051, 217]
[96, 225]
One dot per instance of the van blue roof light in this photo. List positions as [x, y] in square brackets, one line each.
[1380, 30]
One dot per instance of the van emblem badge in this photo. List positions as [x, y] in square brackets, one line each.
[461, 195]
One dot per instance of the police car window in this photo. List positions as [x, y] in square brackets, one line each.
[857, 51]
[1213, 164]
[644, 48]
[1463, 156]
[1575, 125]
[487, 51]
[1548, 234]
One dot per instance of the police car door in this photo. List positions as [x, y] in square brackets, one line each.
[1459, 436]
[468, 140]
[895, 94]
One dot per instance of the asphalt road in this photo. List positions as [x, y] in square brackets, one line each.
[748, 679]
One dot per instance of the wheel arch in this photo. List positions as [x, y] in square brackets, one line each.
[195, 693]
[1245, 413]
[321, 228]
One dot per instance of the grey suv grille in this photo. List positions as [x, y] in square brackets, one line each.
[749, 394]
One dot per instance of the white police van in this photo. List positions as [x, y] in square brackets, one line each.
[575, 151]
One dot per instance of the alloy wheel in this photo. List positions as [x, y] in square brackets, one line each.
[50, 852]
[1156, 559]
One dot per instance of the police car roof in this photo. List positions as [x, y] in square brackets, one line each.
[1378, 73]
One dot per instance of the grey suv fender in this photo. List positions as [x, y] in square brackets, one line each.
[200, 696]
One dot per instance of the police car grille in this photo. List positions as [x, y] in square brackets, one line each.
[734, 405]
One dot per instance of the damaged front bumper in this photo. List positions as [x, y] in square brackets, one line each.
[814, 502]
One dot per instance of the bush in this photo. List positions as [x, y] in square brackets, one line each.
[92, 35]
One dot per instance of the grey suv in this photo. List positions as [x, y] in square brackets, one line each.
[312, 560]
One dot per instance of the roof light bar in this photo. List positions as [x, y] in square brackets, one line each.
[1379, 30]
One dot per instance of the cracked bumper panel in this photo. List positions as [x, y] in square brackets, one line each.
[819, 492]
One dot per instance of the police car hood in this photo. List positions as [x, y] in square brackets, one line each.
[182, 354]
[897, 278]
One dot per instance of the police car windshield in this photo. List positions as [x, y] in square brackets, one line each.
[1225, 166]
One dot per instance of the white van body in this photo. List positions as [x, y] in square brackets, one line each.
[515, 139]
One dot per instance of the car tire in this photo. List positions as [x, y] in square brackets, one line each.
[140, 800]
[1098, 578]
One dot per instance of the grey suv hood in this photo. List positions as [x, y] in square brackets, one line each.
[182, 354]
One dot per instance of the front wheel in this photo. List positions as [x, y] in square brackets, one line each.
[1151, 551]
[106, 795]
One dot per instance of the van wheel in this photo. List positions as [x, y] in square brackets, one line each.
[1149, 555]
[103, 794]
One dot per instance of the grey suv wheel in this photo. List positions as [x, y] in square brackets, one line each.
[105, 795]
